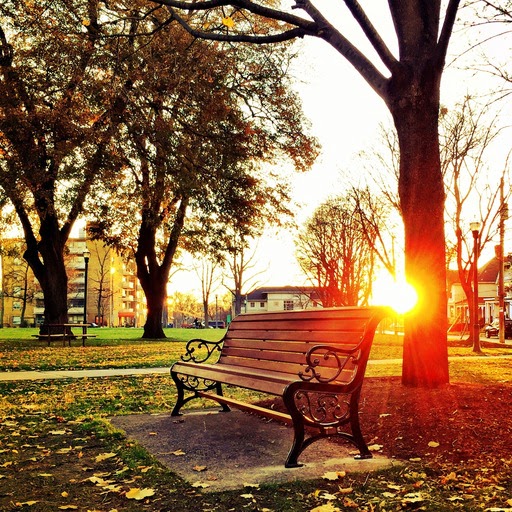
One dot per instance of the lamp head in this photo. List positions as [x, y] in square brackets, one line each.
[474, 226]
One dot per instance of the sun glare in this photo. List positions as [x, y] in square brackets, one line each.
[399, 295]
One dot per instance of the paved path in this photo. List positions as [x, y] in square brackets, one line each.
[79, 374]
[111, 372]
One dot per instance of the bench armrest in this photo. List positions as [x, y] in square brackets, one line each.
[194, 350]
[325, 363]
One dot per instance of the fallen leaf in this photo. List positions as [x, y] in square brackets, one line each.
[254, 486]
[433, 444]
[333, 475]
[413, 497]
[178, 453]
[248, 496]
[375, 447]
[199, 468]
[328, 507]
[104, 456]
[139, 494]
[57, 432]
[68, 507]
[23, 503]
[200, 484]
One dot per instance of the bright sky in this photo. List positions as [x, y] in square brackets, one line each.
[345, 115]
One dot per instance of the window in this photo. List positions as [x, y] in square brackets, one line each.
[262, 304]
[288, 305]
[252, 304]
[16, 305]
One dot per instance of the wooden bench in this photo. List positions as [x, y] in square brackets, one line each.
[65, 334]
[314, 360]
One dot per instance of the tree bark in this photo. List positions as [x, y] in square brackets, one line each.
[51, 275]
[422, 197]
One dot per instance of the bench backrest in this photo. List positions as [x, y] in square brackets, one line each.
[279, 341]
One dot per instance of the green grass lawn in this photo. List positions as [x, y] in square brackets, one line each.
[125, 348]
[58, 450]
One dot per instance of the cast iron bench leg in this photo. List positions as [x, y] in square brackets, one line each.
[218, 389]
[364, 452]
[181, 395]
[298, 428]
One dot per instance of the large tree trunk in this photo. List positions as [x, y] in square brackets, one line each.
[422, 198]
[152, 275]
[51, 275]
[155, 297]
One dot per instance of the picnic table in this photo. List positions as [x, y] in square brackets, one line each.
[64, 332]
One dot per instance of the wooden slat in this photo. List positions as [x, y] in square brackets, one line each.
[268, 355]
[266, 413]
[257, 380]
[280, 334]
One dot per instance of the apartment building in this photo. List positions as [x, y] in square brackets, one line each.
[113, 294]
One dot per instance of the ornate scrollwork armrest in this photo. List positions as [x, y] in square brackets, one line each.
[194, 350]
[320, 358]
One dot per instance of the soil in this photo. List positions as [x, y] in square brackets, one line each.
[470, 422]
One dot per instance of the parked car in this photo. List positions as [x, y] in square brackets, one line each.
[494, 329]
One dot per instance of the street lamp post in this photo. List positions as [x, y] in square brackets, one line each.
[475, 229]
[86, 260]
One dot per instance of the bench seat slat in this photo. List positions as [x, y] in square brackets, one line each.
[257, 380]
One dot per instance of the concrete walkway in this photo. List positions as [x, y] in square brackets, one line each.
[79, 374]
[7, 376]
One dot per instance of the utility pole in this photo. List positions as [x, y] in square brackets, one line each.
[501, 257]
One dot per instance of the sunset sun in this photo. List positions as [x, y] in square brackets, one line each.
[399, 295]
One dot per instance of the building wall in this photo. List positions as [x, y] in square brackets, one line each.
[114, 296]
[280, 301]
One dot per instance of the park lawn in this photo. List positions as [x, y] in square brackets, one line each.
[124, 348]
[59, 452]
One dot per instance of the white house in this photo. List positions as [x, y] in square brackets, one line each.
[282, 298]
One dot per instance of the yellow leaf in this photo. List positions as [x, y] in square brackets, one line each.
[22, 503]
[104, 456]
[375, 447]
[64, 494]
[139, 494]
[57, 432]
[433, 444]
[178, 453]
[329, 507]
[68, 507]
[199, 468]
[333, 475]
[228, 22]
[45, 474]
[200, 484]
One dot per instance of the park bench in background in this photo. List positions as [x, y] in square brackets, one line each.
[314, 360]
[57, 332]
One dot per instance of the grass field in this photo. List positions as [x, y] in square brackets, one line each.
[59, 452]
[124, 348]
